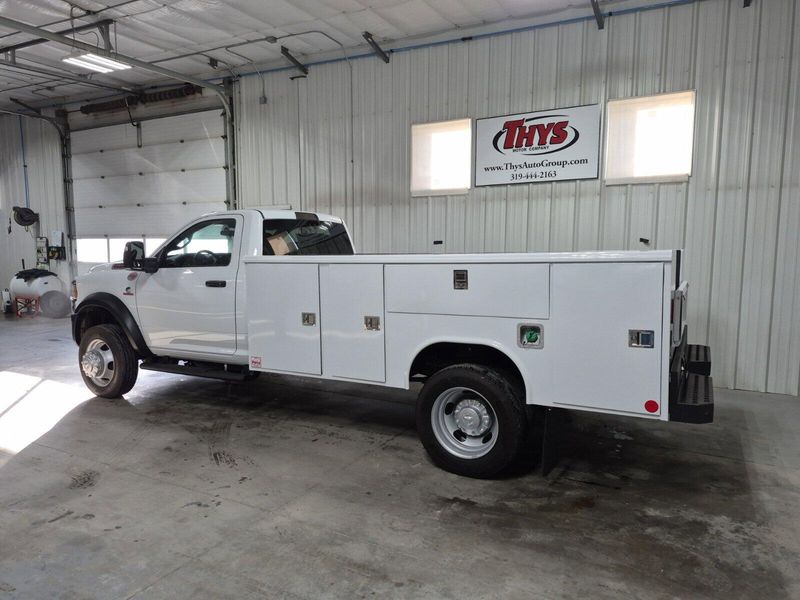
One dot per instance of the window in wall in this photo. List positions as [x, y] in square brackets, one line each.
[116, 246]
[103, 250]
[441, 157]
[151, 244]
[92, 250]
[650, 139]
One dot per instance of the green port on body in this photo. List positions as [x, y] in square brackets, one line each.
[530, 336]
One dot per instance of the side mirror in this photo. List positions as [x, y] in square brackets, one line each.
[149, 265]
[133, 255]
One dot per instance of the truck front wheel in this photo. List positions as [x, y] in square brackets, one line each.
[471, 420]
[108, 364]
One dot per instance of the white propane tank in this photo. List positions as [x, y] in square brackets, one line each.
[49, 289]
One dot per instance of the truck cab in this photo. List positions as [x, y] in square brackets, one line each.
[190, 298]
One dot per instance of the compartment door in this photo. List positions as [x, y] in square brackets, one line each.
[592, 359]
[284, 317]
[353, 321]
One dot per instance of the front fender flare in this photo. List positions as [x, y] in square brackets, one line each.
[120, 313]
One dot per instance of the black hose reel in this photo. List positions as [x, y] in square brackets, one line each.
[25, 217]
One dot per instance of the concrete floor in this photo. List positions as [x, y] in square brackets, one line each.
[286, 488]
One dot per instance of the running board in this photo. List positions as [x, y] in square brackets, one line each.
[194, 370]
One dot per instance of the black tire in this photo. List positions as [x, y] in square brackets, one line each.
[124, 368]
[507, 403]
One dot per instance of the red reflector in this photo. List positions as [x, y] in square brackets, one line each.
[651, 406]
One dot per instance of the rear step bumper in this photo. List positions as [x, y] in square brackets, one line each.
[697, 402]
[691, 390]
[698, 359]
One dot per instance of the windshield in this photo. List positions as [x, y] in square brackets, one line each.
[305, 236]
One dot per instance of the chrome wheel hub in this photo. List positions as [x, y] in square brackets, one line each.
[472, 417]
[464, 422]
[97, 363]
[92, 363]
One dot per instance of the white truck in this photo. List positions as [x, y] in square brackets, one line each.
[489, 335]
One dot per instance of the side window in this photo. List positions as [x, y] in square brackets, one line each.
[206, 244]
[305, 236]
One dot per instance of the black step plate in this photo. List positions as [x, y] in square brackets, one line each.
[698, 359]
[697, 402]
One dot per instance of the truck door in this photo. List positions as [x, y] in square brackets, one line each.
[189, 304]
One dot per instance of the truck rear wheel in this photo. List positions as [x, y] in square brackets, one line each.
[471, 420]
[108, 363]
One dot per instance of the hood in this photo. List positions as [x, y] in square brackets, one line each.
[101, 267]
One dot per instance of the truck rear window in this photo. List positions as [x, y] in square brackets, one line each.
[301, 236]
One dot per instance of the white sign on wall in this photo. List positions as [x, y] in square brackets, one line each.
[549, 145]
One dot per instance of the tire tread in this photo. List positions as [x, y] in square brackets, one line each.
[127, 363]
[505, 392]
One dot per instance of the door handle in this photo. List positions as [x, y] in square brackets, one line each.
[216, 283]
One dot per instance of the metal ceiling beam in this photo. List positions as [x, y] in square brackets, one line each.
[375, 47]
[25, 105]
[28, 78]
[128, 60]
[45, 83]
[65, 75]
[598, 15]
[290, 57]
[87, 13]
[78, 29]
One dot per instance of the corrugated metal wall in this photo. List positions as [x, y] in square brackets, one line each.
[738, 217]
[46, 192]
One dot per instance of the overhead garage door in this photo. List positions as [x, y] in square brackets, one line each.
[131, 184]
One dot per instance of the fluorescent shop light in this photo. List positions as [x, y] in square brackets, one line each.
[73, 60]
[96, 63]
[105, 62]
